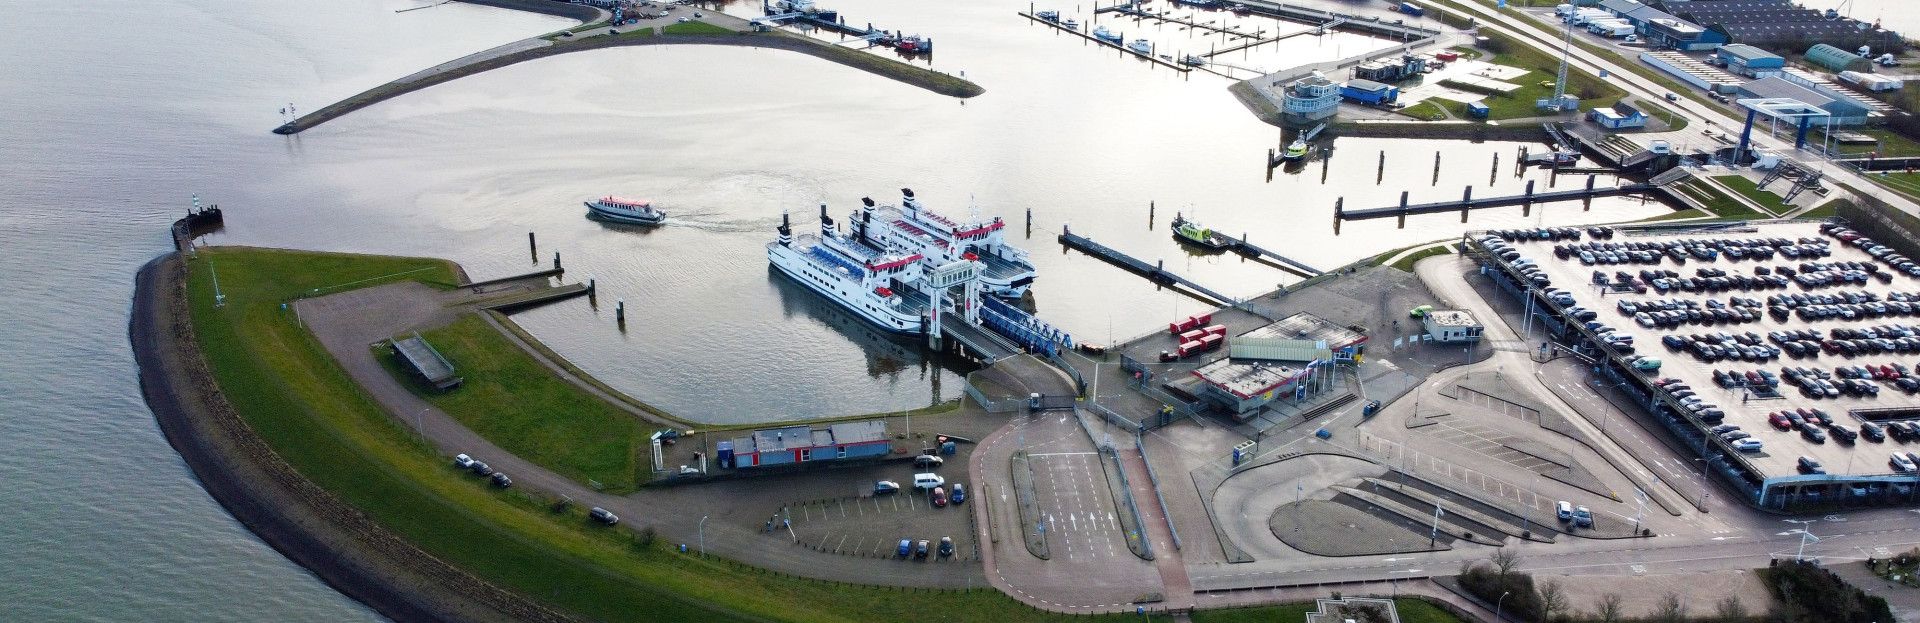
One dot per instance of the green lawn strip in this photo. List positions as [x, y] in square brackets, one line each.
[1406, 263]
[301, 403]
[1256, 614]
[1537, 83]
[1827, 210]
[1751, 190]
[1655, 111]
[1904, 183]
[1425, 111]
[1892, 144]
[696, 28]
[1718, 202]
[510, 399]
[1676, 215]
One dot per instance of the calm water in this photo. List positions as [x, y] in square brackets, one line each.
[1898, 15]
[108, 125]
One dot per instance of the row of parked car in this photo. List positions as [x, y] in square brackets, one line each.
[1879, 251]
[1665, 281]
[1706, 412]
[908, 547]
[1815, 383]
[1738, 439]
[1670, 313]
[480, 468]
[1709, 348]
[1551, 233]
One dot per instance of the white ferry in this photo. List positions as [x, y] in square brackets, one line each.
[881, 287]
[632, 211]
[913, 229]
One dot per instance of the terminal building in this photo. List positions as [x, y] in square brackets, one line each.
[793, 445]
[1310, 100]
[1841, 110]
[1452, 326]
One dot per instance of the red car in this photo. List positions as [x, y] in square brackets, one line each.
[1779, 420]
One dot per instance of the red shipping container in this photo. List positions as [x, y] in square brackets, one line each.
[1184, 325]
[1218, 329]
[1192, 336]
[1188, 348]
[1212, 341]
[1201, 320]
[1447, 56]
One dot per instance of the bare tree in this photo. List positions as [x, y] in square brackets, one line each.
[1504, 560]
[1607, 608]
[1553, 599]
[1670, 609]
[1730, 609]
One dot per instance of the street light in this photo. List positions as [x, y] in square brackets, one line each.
[1499, 602]
[702, 528]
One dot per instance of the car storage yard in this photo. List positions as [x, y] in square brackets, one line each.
[1752, 335]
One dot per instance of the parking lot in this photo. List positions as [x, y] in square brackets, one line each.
[872, 526]
[1721, 301]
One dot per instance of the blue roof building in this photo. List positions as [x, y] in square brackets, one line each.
[1747, 60]
[1369, 92]
[1844, 111]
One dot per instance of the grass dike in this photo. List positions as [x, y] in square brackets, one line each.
[285, 440]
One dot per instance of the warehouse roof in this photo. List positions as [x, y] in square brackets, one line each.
[1247, 380]
[1306, 326]
[1453, 317]
[1775, 87]
[1367, 85]
[1277, 349]
[1748, 53]
[859, 432]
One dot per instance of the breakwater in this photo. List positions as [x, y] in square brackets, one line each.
[924, 78]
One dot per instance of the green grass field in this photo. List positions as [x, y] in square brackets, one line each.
[1425, 111]
[1406, 263]
[1718, 202]
[1827, 210]
[1751, 190]
[696, 28]
[1904, 183]
[513, 401]
[298, 400]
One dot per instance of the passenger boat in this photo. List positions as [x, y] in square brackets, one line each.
[630, 211]
[914, 44]
[913, 229]
[1141, 46]
[881, 287]
[1051, 16]
[1295, 150]
[1192, 233]
[1101, 33]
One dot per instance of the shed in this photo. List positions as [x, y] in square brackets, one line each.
[1836, 59]
[805, 444]
[425, 363]
[1369, 92]
[1747, 60]
[1452, 325]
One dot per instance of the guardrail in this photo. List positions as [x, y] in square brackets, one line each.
[1154, 479]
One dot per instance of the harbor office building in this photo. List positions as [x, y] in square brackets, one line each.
[793, 445]
[1452, 326]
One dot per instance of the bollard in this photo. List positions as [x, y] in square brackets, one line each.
[1466, 203]
[556, 260]
[620, 313]
[1587, 204]
[1403, 209]
[1495, 173]
[1269, 164]
[1339, 210]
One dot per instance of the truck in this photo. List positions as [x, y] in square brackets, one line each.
[1410, 8]
[1610, 28]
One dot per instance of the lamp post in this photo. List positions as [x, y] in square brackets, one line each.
[1499, 602]
[420, 422]
[702, 529]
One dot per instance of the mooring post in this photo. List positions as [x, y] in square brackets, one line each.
[532, 248]
[1269, 164]
[1520, 162]
[1436, 168]
[1380, 172]
[1587, 205]
[620, 313]
[1029, 222]
[1339, 211]
[1529, 200]
[1466, 203]
[1495, 172]
[556, 260]
[1403, 209]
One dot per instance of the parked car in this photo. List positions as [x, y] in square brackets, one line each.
[1900, 462]
[481, 468]
[1809, 466]
[1747, 445]
[926, 461]
[883, 487]
[959, 493]
[603, 516]
[920, 549]
[1582, 517]
[946, 546]
[927, 481]
[463, 461]
[905, 549]
[501, 480]
[938, 497]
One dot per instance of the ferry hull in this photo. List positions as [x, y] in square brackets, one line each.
[788, 264]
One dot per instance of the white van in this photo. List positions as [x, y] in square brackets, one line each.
[927, 481]
[1563, 510]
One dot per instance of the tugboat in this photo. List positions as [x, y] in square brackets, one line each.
[1141, 46]
[1051, 16]
[1189, 232]
[629, 211]
[1295, 150]
[1101, 33]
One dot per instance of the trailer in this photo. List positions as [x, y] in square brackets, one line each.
[1871, 82]
[1410, 8]
[1610, 28]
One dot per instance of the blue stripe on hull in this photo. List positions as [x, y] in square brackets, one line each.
[802, 280]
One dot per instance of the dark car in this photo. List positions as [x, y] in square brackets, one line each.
[1872, 431]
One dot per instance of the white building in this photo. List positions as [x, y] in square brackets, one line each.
[1310, 99]
[1452, 325]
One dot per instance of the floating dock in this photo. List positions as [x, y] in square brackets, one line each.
[1152, 272]
[1467, 202]
[1241, 246]
[1148, 57]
